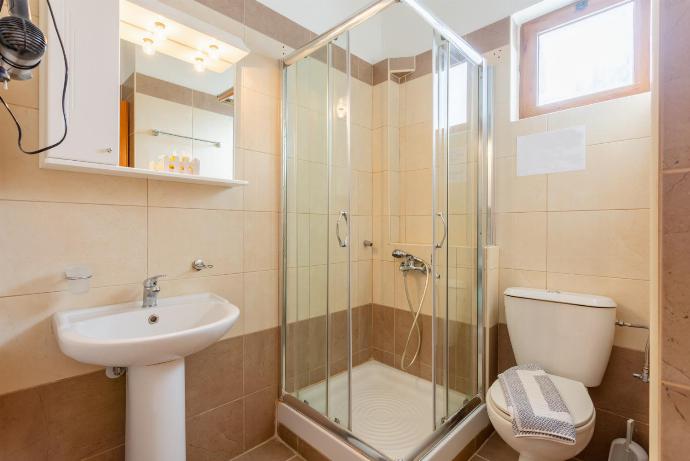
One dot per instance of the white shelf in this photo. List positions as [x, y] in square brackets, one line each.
[114, 170]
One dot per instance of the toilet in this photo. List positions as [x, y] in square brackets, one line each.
[570, 335]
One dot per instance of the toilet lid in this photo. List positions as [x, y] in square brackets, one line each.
[573, 393]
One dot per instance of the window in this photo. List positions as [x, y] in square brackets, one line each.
[587, 52]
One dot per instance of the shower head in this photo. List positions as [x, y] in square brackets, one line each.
[22, 43]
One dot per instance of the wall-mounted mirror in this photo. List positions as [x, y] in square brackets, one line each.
[156, 97]
[176, 96]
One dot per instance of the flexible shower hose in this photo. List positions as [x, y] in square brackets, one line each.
[415, 321]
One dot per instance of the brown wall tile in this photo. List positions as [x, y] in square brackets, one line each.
[610, 426]
[114, 454]
[261, 358]
[380, 72]
[259, 416]
[676, 272]
[24, 429]
[490, 37]
[216, 435]
[620, 392]
[213, 376]
[85, 415]
[674, 90]
[263, 19]
[384, 328]
[163, 90]
[231, 8]
[506, 357]
[675, 423]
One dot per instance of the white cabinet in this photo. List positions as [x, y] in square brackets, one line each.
[90, 31]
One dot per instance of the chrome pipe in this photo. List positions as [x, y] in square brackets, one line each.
[447, 33]
[328, 36]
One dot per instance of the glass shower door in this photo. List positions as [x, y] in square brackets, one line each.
[456, 249]
[317, 231]
[306, 242]
[339, 235]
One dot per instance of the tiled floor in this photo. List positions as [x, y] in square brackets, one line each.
[495, 449]
[272, 450]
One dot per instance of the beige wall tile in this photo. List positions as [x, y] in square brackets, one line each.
[518, 193]
[417, 105]
[258, 122]
[361, 148]
[39, 239]
[416, 192]
[263, 173]
[27, 338]
[260, 73]
[609, 121]
[522, 239]
[608, 243]
[507, 131]
[632, 297]
[260, 300]
[416, 146]
[178, 236]
[617, 177]
[184, 195]
[361, 102]
[22, 179]
[261, 241]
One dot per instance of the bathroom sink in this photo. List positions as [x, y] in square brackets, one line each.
[126, 335]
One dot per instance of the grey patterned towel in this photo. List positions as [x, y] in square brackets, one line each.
[535, 405]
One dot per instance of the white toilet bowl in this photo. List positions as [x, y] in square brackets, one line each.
[576, 398]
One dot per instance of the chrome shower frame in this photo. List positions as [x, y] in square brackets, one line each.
[484, 230]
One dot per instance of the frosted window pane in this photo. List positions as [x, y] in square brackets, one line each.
[457, 95]
[592, 55]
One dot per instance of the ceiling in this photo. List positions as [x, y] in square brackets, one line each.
[397, 31]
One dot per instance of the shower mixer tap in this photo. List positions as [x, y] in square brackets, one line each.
[410, 262]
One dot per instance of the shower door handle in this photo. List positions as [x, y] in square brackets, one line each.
[343, 217]
[445, 230]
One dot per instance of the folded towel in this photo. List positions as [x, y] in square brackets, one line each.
[536, 406]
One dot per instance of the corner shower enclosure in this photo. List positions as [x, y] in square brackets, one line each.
[384, 140]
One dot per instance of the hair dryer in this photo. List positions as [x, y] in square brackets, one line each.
[22, 43]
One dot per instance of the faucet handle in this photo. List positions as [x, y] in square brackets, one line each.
[153, 281]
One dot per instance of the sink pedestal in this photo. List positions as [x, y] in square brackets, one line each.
[155, 418]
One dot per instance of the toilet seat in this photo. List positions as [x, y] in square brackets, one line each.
[573, 393]
[576, 398]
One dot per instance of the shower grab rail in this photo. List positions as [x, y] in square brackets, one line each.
[445, 230]
[157, 132]
[342, 242]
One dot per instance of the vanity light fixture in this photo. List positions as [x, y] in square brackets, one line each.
[213, 52]
[159, 31]
[149, 46]
[199, 64]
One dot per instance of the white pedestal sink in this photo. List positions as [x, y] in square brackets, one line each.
[152, 343]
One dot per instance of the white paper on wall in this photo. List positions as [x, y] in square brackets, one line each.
[551, 152]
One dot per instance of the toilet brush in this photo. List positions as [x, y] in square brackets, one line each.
[627, 450]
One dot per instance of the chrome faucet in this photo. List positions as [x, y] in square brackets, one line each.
[151, 290]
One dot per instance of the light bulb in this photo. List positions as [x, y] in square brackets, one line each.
[149, 46]
[214, 52]
[199, 64]
[159, 31]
